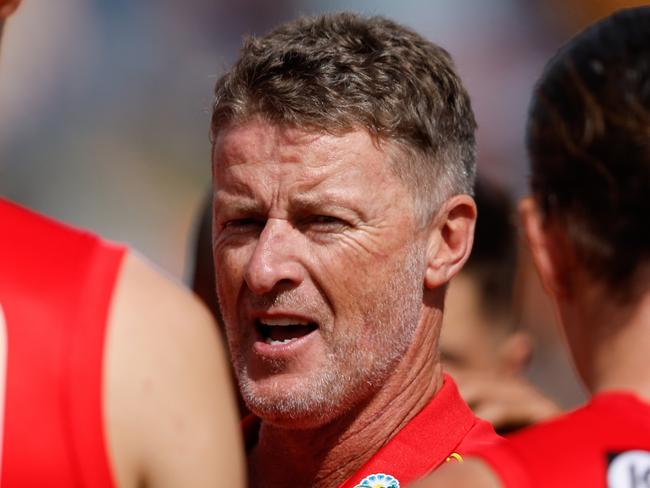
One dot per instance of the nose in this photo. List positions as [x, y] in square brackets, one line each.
[274, 261]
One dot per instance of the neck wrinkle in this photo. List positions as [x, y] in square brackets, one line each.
[328, 455]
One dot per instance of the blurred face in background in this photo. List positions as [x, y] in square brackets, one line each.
[477, 341]
[470, 341]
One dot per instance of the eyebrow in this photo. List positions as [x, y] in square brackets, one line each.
[310, 200]
[236, 203]
[324, 202]
[306, 201]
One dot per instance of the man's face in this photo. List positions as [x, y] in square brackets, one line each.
[319, 268]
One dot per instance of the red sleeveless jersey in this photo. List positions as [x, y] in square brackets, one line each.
[56, 285]
[606, 443]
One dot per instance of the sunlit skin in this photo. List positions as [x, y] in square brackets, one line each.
[306, 225]
[317, 228]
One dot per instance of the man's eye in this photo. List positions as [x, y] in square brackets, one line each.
[325, 219]
[323, 223]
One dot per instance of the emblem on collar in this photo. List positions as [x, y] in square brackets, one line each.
[379, 480]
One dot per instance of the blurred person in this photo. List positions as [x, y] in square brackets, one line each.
[113, 375]
[343, 164]
[587, 228]
[481, 344]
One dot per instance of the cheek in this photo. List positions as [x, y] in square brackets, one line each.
[362, 287]
[345, 279]
[353, 261]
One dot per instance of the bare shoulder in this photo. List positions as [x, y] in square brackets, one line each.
[171, 417]
[473, 473]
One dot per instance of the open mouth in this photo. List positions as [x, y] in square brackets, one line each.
[276, 331]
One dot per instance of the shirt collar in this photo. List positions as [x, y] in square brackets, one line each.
[425, 442]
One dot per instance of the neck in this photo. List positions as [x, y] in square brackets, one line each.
[616, 338]
[327, 455]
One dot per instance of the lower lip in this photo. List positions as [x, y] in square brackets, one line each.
[262, 348]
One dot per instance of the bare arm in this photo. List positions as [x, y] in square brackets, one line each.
[170, 406]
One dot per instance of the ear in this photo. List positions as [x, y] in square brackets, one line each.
[450, 240]
[7, 7]
[550, 250]
[515, 353]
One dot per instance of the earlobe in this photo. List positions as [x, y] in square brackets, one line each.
[450, 240]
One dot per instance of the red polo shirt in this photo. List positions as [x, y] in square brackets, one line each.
[444, 429]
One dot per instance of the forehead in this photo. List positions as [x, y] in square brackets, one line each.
[260, 152]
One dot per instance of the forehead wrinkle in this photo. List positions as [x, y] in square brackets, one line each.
[314, 198]
[233, 187]
[296, 137]
[233, 146]
[325, 172]
[276, 145]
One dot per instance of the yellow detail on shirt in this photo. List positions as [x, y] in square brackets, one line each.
[455, 456]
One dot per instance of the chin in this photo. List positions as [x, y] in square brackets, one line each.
[294, 405]
[297, 420]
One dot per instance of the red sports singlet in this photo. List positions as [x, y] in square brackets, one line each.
[603, 444]
[55, 289]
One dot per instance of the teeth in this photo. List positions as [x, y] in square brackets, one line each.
[282, 321]
[275, 343]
